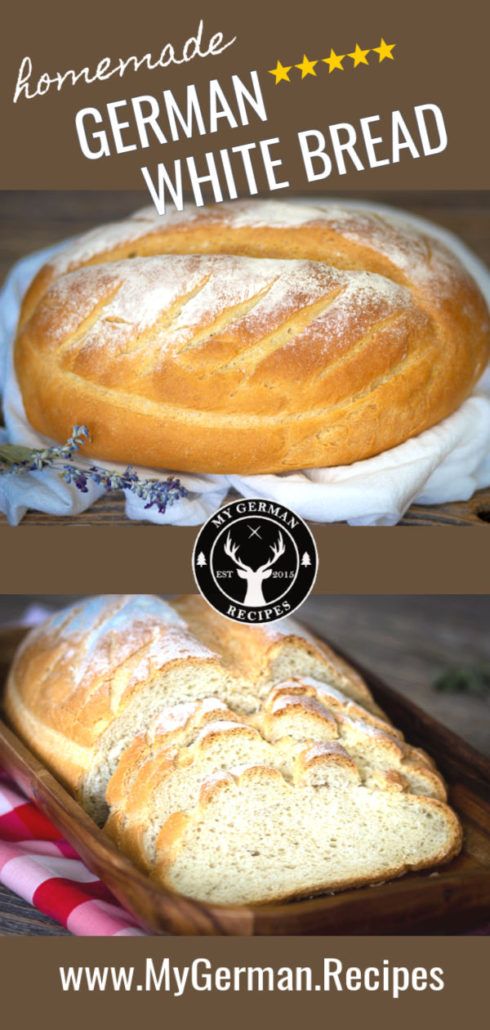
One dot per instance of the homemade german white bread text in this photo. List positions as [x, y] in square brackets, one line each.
[249, 337]
[234, 764]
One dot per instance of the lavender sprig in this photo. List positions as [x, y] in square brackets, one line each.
[155, 492]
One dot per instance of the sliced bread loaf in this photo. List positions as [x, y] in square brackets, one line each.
[89, 679]
[234, 763]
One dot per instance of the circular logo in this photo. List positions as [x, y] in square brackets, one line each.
[255, 561]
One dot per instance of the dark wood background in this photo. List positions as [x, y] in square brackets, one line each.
[32, 220]
[407, 640]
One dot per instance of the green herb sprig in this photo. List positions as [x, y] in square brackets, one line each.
[465, 679]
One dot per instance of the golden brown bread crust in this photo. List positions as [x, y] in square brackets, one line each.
[303, 688]
[251, 650]
[225, 364]
[75, 673]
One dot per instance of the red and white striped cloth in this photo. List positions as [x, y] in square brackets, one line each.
[41, 867]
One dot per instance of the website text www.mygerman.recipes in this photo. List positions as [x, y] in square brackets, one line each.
[201, 975]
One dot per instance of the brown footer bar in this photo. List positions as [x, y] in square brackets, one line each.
[369, 981]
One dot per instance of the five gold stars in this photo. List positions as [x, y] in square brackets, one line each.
[306, 67]
[334, 61]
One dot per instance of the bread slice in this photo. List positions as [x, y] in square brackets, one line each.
[253, 837]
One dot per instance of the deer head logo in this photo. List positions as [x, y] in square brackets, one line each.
[254, 596]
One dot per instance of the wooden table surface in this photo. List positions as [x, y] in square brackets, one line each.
[32, 220]
[408, 641]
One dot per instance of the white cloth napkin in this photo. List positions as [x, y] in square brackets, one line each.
[446, 463]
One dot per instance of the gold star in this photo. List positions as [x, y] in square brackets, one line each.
[334, 61]
[384, 50]
[359, 56]
[306, 67]
[281, 72]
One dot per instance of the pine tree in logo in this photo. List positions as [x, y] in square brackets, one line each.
[306, 560]
[201, 560]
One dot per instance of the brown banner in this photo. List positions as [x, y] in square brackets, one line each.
[394, 91]
[153, 559]
[444, 978]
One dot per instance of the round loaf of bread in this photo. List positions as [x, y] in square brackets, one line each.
[250, 337]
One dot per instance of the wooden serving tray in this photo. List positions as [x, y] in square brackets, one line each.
[455, 898]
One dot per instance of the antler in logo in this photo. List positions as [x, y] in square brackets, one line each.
[254, 596]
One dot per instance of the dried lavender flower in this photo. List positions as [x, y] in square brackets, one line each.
[158, 493]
